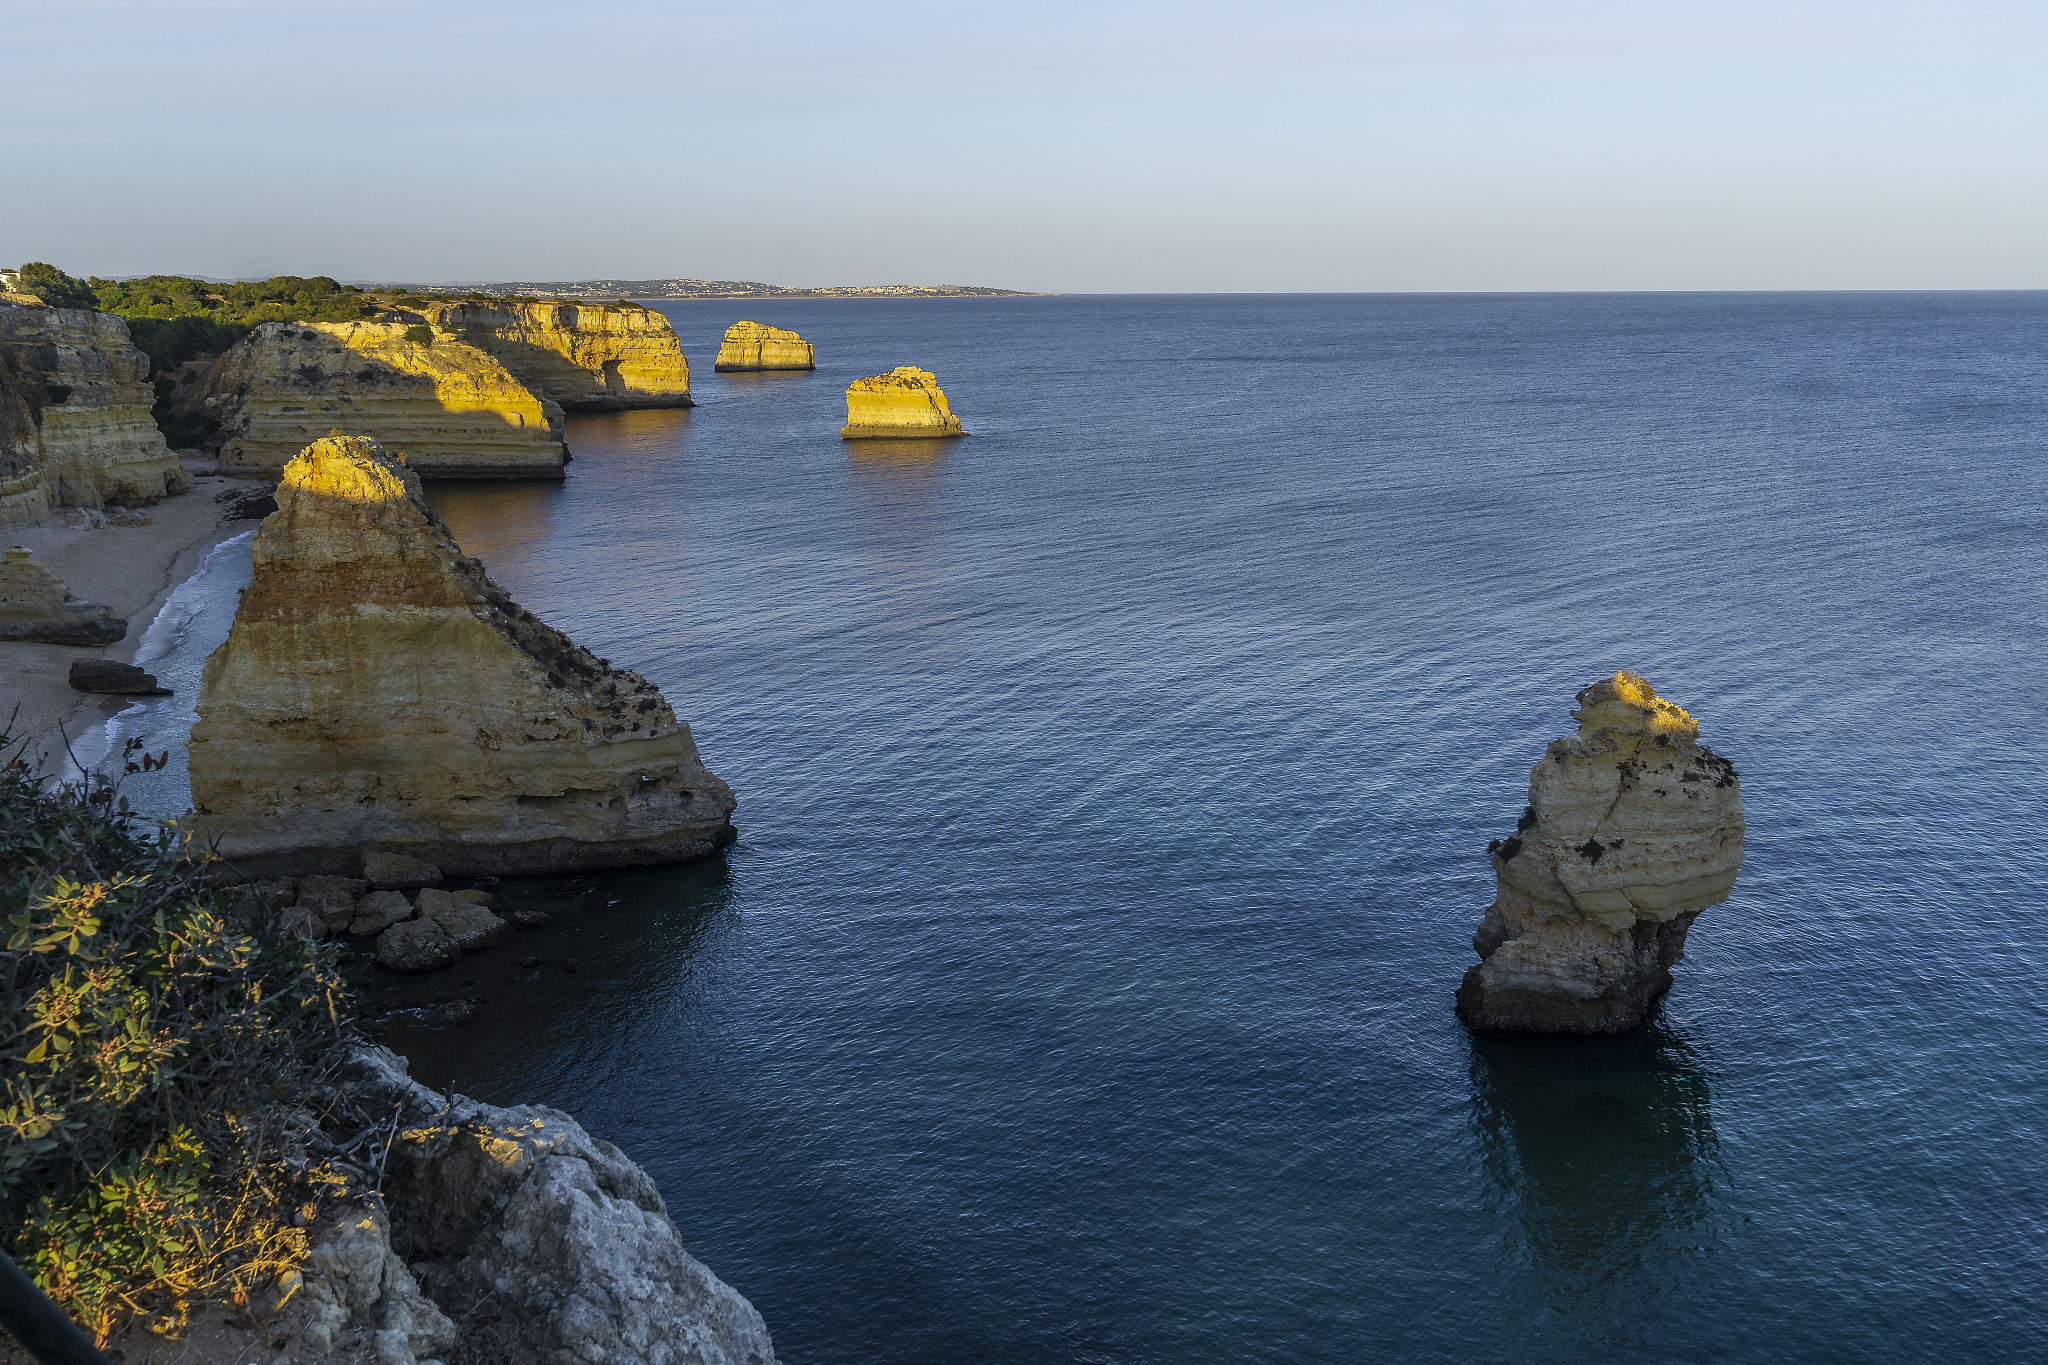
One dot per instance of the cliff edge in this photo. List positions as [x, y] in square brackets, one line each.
[906, 401]
[378, 691]
[580, 355]
[1633, 828]
[757, 346]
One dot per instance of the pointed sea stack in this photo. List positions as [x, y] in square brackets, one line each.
[378, 691]
[1633, 828]
[757, 346]
[906, 401]
[36, 607]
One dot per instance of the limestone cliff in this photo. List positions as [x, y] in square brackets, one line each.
[451, 410]
[378, 691]
[581, 355]
[757, 346]
[36, 606]
[906, 401]
[75, 426]
[1633, 828]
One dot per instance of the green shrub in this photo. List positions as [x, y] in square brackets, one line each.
[148, 1044]
[420, 335]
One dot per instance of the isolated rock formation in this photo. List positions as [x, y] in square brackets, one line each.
[581, 355]
[757, 346]
[1633, 828]
[451, 410]
[115, 679]
[377, 691]
[75, 425]
[36, 606]
[906, 401]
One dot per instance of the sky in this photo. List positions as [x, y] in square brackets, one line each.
[1076, 148]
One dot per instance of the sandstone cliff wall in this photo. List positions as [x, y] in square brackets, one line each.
[905, 402]
[582, 356]
[757, 346]
[452, 410]
[1633, 828]
[378, 691]
[74, 405]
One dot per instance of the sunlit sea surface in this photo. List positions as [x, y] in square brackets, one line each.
[1114, 792]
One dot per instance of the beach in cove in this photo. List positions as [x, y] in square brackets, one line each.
[1115, 785]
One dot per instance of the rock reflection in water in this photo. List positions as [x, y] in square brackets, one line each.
[1602, 1152]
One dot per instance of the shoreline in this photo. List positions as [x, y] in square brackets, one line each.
[133, 569]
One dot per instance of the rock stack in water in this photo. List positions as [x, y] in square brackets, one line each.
[36, 606]
[757, 346]
[451, 410]
[906, 401]
[378, 691]
[580, 355]
[1633, 828]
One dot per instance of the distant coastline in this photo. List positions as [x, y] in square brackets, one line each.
[728, 289]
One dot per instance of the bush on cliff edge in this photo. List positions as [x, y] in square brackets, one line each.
[151, 1053]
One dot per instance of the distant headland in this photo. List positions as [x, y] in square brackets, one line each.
[728, 289]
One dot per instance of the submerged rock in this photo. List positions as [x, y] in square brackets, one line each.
[377, 691]
[377, 912]
[757, 346]
[417, 945]
[581, 355]
[906, 401]
[35, 606]
[1633, 828]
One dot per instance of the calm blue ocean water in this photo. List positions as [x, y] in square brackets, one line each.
[1114, 792]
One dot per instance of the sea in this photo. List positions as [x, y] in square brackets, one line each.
[1114, 791]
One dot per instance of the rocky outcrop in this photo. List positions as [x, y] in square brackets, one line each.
[451, 410]
[1633, 828]
[36, 606]
[75, 425]
[378, 691]
[757, 346]
[508, 1235]
[906, 401]
[581, 355]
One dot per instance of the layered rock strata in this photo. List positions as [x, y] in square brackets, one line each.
[1633, 828]
[580, 355]
[757, 346]
[36, 606]
[451, 410]
[378, 691]
[75, 423]
[906, 401]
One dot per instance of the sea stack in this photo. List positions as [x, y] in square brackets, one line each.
[1633, 828]
[757, 346]
[378, 691]
[584, 356]
[452, 410]
[906, 401]
[36, 607]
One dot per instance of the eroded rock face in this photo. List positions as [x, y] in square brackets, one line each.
[757, 346]
[906, 401]
[36, 606]
[581, 355]
[378, 691]
[75, 425]
[451, 410]
[1633, 828]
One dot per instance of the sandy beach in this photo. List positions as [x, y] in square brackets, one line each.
[132, 569]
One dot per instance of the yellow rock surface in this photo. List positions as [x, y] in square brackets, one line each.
[757, 346]
[378, 691]
[451, 410]
[906, 401]
[581, 355]
[1633, 828]
[75, 426]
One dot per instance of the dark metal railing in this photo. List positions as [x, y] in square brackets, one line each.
[50, 1335]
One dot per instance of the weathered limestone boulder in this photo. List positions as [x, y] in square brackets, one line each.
[757, 346]
[449, 409]
[581, 355]
[115, 679]
[75, 425]
[36, 606]
[377, 691]
[1633, 828]
[906, 401]
[417, 945]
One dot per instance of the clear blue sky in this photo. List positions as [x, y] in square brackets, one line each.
[1576, 144]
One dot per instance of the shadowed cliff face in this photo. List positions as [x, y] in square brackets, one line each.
[582, 356]
[378, 690]
[449, 409]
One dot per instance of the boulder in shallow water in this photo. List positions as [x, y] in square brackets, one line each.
[417, 945]
[1633, 828]
[377, 912]
[36, 607]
